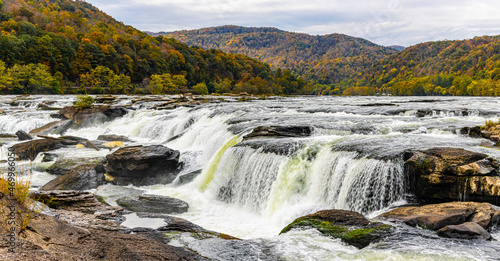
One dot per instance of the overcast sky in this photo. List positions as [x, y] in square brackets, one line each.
[391, 22]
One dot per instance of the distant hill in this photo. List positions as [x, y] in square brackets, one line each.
[65, 43]
[462, 67]
[326, 59]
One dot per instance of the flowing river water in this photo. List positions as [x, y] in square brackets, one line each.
[252, 189]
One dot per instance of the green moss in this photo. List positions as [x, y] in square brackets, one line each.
[360, 237]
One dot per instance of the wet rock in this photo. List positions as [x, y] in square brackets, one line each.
[279, 131]
[471, 131]
[83, 177]
[437, 216]
[55, 127]
[22, 135]
[64, 165]
[113, 137]
[467, 230]
[7, 135]
[48, 238]
[351, 227]
[47, 157]
[30, 149]
[71, 200]
[451, 173]
[111, 193]
[153, 204]
[88, 116]
[143, 165]
[186, 178]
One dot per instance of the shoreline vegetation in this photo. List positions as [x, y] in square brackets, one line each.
[71, 47]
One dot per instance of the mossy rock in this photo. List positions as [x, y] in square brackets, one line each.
[351, 227]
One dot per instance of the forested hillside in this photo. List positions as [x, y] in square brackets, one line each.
[324, 59]
[466, 67]
[61, 46]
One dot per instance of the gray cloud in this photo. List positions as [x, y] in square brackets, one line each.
[403, 22]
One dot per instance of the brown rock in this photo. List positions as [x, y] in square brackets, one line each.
[452, 174]
[467, 230]
[71, 200]
[55, 127]
[88, 116]
[437, 216]
[47, 238]
[89, 176]
[30, 149]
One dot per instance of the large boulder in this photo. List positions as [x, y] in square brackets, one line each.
[447, 216]
[64, 165]
[143, 165]
[280, 131]
[452, 174]
[55, 127]
[48, 238]
[351, 227]
[92, 115]
[30, 149]
[153, 204]
[83, 177]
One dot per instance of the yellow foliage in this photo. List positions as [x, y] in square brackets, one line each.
[80, 146]
[114, 144]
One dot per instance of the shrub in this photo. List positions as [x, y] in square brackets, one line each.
[200, 88]
[84, 101]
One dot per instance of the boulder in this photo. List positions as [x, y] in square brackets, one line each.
[113, 137]
[153, 204]
[143, 165]
[351, 227]
[437, 216]
[83, 177]
[452, 174]
[22, 135]
[55, 127]
[467, 230]
[30, 149]
[279, 131]
[64, 165]
[48, 238]
[89, 116]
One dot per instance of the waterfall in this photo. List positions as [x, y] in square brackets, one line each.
[313, 176]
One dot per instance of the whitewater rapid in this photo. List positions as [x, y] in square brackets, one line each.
[252, 189]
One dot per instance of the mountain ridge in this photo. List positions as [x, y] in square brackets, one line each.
[325, 59]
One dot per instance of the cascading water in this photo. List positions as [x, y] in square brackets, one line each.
[253, 188]
[267, 183]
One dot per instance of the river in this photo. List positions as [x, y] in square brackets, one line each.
[252, 189]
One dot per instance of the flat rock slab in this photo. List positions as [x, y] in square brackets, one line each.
[153, 204]
[64, 165]
[437, 216]
[280, 131]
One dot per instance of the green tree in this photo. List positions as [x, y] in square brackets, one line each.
[200, 88]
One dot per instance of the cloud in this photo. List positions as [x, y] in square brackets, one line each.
[384, 22]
